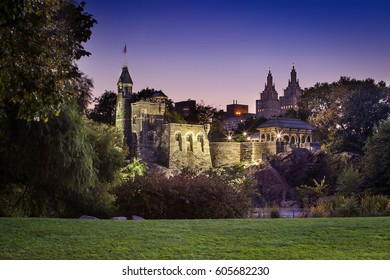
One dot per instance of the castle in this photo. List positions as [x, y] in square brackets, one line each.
[150, 137]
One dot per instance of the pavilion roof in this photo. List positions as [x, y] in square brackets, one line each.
[286, 123]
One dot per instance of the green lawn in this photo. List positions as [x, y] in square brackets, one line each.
[335, 238]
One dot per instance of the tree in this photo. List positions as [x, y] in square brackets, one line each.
[250, 125]
[365, 107]
[62, 167]
[345, 112]
[202, 114]
[311, 194]
[40, 42]
[376, 159]
[105, 108]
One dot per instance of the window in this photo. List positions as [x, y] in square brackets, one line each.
[201, 141]
[179, 140]
[190, 143]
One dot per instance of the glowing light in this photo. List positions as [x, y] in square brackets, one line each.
[229, 138]
[278, 135]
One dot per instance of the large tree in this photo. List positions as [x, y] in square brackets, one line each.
[40, 42]
[52, 160]
[377, 159]
[105, 108]
[345, 112]
[64, 166]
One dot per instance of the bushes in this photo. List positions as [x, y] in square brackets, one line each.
[180, 197]
[341, 206]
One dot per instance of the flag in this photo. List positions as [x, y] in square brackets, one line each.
[125, 49]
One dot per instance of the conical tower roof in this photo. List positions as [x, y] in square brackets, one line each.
[125, 77]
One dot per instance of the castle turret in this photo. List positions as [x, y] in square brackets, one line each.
[123, 104]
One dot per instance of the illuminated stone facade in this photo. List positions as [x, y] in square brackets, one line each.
[178, 146]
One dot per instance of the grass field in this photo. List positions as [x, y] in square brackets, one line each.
[335, 238]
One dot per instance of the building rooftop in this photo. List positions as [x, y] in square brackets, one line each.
[286, 123]
[159, 93]
[125, 76]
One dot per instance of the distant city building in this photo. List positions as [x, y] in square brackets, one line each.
[184, 108]
[235, 114]
[269, 105]
[291, 94]
[236, 109]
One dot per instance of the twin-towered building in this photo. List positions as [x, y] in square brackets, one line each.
[269, 105]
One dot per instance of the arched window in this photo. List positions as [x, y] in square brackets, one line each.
[179, 140]
[201, 141]
[190, 143]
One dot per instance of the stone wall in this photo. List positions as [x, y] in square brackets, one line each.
[185, 146]
[228, 153]
[225, 153]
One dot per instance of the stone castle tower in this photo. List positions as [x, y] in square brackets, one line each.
[150, 137]
[269, 105]
[123, 104]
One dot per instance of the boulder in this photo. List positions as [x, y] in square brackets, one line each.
[271, 186]
[89, 217]
[137, 218]
[120, 218]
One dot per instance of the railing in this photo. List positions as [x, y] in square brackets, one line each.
[283, 212]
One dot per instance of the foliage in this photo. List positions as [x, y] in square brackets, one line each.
[311, 194]
[345, 112]
[241, 178]
[40, 42]
[202, 114]
[376, 160]
[105, 108]
[274, 213]
[372, 205]
[61, 167]
[249, 125]
[351, 206]
[217, 239]
[132, 170]
[174, 117]
[349, 181]
[147, 94]
[179, 197]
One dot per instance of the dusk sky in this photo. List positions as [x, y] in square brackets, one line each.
[219, 51]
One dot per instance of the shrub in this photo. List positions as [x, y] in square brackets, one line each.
[274, 213]
[374, 204]
[349, 181]
[345, 207]
[180, 197]
[323, 208]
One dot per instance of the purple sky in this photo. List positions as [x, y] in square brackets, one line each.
[220, 50]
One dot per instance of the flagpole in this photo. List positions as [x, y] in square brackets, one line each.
[124, 54]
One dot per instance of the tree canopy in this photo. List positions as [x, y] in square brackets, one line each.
[377, 159]
[105, 108]
[40, 42]
[345, 112]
